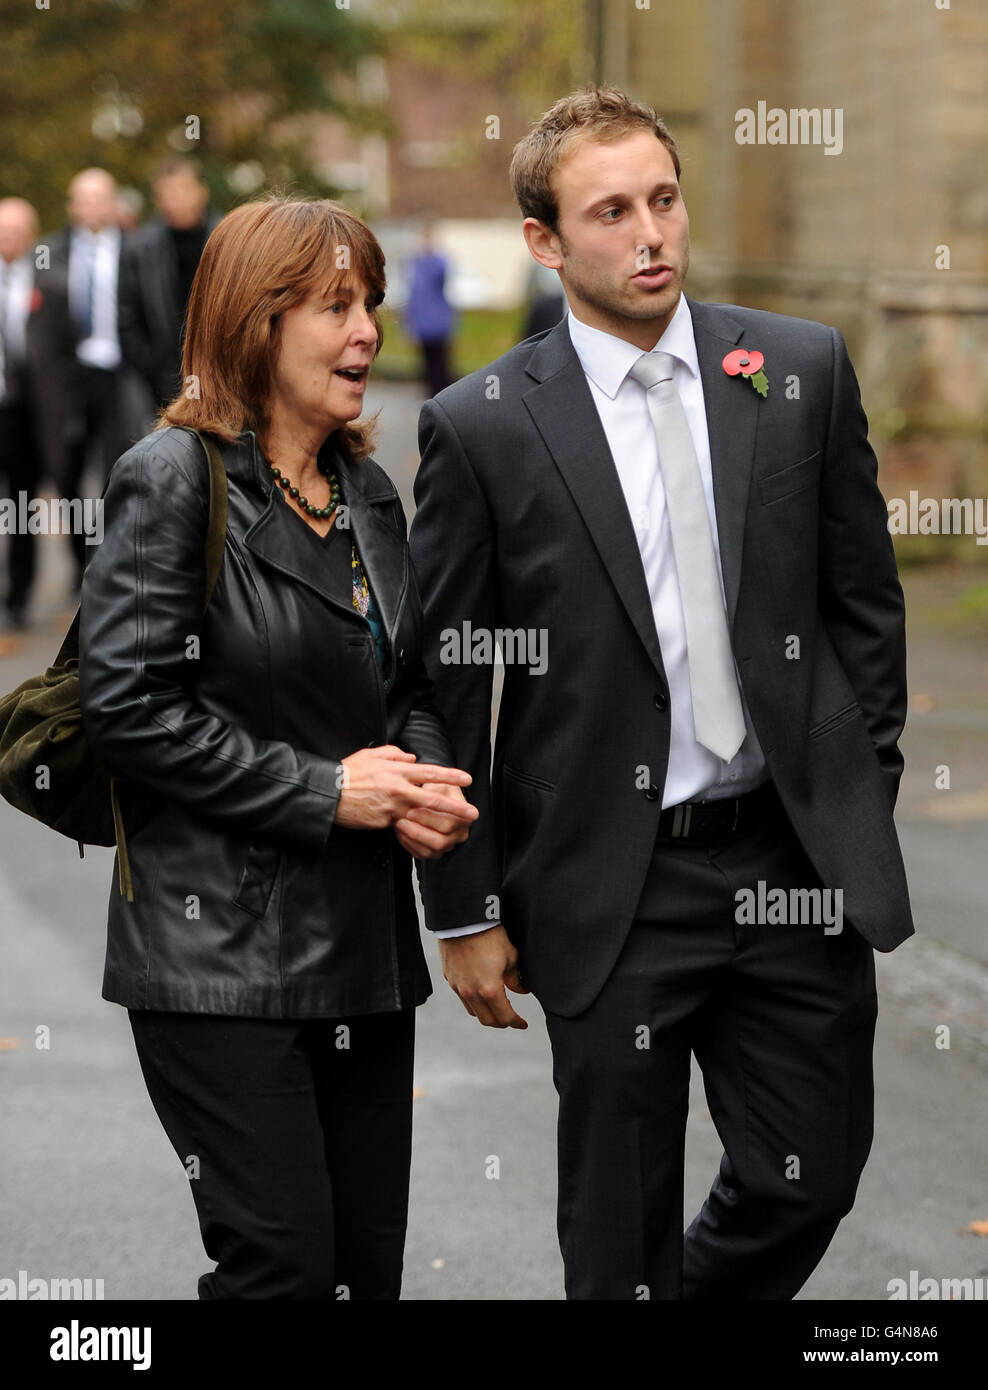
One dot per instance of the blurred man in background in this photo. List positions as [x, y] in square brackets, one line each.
[429, 314]
[156, 274]
[37, 363]
[87, 252]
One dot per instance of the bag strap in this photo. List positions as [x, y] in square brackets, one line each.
[216, 531]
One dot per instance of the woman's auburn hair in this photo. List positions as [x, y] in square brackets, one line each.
[262, 258]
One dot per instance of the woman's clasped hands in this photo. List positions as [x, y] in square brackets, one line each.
[423, 801]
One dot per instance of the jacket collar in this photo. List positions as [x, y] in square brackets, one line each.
[274, 537]
[564, 413]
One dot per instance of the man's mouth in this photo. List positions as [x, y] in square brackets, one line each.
[654, 275]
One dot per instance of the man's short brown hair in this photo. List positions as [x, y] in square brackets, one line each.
[595, 113]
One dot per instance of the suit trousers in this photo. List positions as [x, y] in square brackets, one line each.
[20, 470]
[296, 1137]
[780, 1016]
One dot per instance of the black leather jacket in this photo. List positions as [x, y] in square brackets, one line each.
[248, 899]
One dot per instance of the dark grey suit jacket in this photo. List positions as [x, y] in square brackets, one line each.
[148, 322]
[522, 523]
[47, 372]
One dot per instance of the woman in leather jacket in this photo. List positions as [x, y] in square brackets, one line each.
[288, 743]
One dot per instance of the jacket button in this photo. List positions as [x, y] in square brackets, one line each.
[401, 656]
[382, 858]
[660, 701]
[652, 792]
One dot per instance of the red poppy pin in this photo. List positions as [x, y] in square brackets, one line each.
[37, 299]
[747, 363]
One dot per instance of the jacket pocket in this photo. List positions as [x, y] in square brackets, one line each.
[257, 879]
[775, 486]
[528, 779]
[835, 720]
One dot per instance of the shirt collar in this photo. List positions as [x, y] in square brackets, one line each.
[109, 233]
[607, 360]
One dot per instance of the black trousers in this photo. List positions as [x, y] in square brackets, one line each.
[20, 471]
[435, 356]
[296, 1137]
[781, 1019]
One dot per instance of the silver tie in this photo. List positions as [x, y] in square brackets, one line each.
[717, 714]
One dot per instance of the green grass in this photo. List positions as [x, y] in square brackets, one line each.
[481, 335]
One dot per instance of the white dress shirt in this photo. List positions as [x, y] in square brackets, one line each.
[693, 772]
[102, 347]
[16, 288]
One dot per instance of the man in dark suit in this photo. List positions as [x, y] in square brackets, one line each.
[87, 253]
[37, 354]
[667, 514]
[156, 273]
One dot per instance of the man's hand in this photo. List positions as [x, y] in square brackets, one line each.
[477, 968]
[430, 834]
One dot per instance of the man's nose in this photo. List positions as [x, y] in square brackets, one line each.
[649, 228]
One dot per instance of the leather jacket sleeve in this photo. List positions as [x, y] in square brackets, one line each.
[142, 598]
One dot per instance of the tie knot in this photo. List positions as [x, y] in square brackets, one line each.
[653, 367]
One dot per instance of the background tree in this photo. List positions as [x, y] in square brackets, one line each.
[123, 83]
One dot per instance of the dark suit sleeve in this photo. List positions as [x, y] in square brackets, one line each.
[53, 377]
[424, 732]
[861, 600]
[453, 551]
[141, 599]
[136, 346]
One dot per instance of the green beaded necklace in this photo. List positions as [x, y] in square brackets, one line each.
[322, 513]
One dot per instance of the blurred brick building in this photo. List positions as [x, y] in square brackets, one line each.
[884, 237]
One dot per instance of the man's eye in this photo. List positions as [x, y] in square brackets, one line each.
[614, 210]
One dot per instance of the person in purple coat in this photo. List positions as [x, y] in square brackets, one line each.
[429, 314]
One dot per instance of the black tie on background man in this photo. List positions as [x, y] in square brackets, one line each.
[156, 273]
[37, 354]
[708, 573]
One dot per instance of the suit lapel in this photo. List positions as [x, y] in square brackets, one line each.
[565, 416]
[731, 405]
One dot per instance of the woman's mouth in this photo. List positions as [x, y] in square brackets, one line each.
[355, 375]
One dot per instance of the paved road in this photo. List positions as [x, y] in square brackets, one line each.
[91, 1188]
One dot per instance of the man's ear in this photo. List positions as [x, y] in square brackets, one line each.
[542, 242]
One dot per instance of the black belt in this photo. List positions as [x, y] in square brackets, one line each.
[713, 820]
